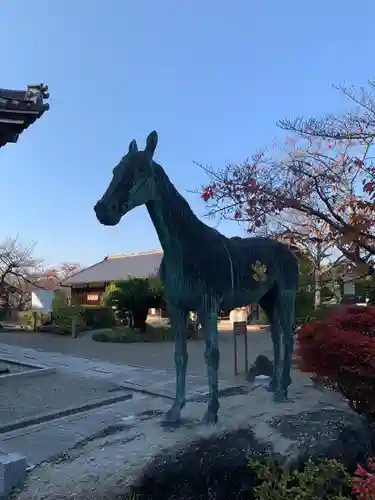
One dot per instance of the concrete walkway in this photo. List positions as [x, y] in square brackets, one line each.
[43, 441]
[158, 355]
[46, 441]
[151, 381]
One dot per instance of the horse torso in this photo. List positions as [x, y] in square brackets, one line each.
[226, 272]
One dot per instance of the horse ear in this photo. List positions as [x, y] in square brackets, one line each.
[133, 148]
[151, 143]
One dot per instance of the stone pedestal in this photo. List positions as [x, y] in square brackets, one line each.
[193, 461]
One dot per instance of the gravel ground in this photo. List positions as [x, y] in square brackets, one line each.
[101, 468]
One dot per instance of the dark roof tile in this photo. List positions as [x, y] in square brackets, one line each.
[19, 109]
[118, 267]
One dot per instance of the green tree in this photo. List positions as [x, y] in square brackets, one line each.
[135, 296]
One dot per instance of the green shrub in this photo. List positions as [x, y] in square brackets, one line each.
[127, 335]
[98, 317]
[159, 334]
[326, 480]
[304, 306]
[101, 337]
[26, 318]
[263, 318]
[135, 295]
[65, 315]
[313, 314]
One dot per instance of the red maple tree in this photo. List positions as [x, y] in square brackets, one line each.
[323, 174]
[341, 349]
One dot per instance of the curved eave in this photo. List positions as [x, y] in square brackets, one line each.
[17, 112]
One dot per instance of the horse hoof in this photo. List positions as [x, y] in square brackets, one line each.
[280, 396]
[272, 386]
[210, 418]
[172, 417]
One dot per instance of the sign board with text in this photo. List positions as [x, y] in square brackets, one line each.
[240, 329]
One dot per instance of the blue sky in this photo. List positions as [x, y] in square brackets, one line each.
[212, 77]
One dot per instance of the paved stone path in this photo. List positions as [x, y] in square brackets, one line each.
[43, 442]
[25, 398]
[151, 381]
[156, 355]
[155, 387]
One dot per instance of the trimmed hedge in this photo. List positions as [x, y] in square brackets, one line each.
[26, 318]
[96, 317]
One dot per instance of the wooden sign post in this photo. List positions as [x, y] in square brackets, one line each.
[240, 329]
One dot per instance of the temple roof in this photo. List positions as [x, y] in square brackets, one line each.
[19, 109]
[118, 267]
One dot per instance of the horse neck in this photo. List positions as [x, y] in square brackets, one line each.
[175, 223]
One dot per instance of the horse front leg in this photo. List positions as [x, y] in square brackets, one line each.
[178, 320]
[208, 318]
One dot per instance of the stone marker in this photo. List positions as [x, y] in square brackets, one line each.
[12, 472]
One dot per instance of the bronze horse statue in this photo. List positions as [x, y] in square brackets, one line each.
[204, 271]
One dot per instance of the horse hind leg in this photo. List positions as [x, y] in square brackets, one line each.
[286, 310]
[269, 305]
[279, 307]
[212, 357]
[178, 319]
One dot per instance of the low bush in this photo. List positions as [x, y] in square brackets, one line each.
[127, 335]
[304, 316]
[326, 480]
[340, 349]
[26, 318]
[65, 315]
[304, 306]
[98, 317]
[101, 337]
[363, 481]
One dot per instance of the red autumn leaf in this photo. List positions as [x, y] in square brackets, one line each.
[369, 187]
[207, 193]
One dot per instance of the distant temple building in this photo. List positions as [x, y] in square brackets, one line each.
[19, 109]
[88, 285]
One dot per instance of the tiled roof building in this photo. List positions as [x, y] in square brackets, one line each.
[19, 109]
[89, 284]
[118, 267]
